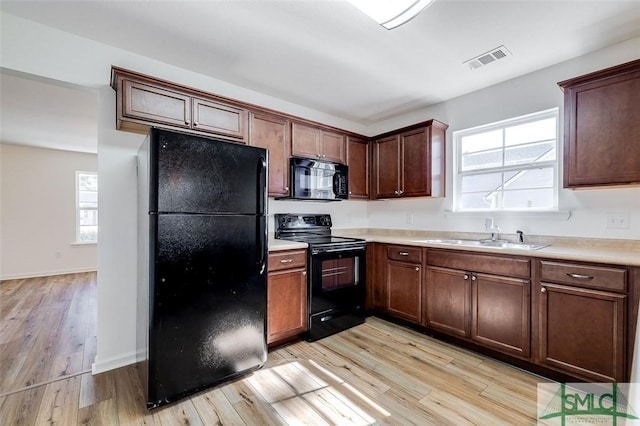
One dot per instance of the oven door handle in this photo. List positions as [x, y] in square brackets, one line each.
[339, 250]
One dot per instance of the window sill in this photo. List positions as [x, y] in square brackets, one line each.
[559, 215]
[84, 243]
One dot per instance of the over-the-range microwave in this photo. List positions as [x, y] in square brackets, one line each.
[311, 179]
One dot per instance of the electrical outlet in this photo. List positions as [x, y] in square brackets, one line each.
[409, 219]
[618, 220]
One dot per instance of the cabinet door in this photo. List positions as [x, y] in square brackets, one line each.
[415, 180]
[332, 147]
[272, 132]
[358, 162]
[218, 118]
[448, 300]
[404, 290]
[602, 124]
[386, 167]
[305, 141]
[377, 277]
[500, 313]
[156, 105]
[582, 332]
[286, 304]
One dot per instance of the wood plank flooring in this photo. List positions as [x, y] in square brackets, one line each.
[376, 373]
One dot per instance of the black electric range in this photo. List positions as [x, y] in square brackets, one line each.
[336, 273]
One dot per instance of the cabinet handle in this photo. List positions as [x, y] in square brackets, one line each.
[286, 260]
[466, 276]
[579, 277]
[473, 278]
[417, 268]
[543, 290]
[403, 253]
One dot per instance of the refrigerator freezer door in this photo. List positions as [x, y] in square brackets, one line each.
[207, 302]
[200, 175]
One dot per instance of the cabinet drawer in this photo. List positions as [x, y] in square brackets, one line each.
[280, 260]
[497, 265]
[405, 254]
[601, 277]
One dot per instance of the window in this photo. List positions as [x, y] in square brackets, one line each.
[509, 165]
[86, 207]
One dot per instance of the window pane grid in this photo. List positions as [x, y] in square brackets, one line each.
[511, 165]
[86, 207]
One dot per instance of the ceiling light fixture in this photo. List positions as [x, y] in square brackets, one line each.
[391, 13]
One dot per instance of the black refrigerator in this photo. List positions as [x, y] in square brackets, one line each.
[202, 241]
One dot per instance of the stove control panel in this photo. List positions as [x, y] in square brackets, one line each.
[302, 221]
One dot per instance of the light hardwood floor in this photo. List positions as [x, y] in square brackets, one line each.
[376, 373]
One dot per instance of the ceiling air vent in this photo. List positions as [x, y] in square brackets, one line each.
[488, 57]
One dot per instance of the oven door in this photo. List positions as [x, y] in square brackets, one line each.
[336, 291]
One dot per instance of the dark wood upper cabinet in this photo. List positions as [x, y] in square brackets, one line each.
[218, 118]
[272, 132]
[358, 162]
[154, 104]
[410, 162]
[313, 142]
[602, 127]
[143, 102]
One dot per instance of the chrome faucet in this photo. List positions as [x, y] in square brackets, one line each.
[520, 237]
[489, 226]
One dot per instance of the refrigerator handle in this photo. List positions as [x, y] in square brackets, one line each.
[262, 185]
[262, 220]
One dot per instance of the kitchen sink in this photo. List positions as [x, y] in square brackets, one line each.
[486, 243]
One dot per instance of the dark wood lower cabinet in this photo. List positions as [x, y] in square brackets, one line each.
[448, 300]
[582, 332]
[564, 319]
[404, 288]
[501, 317]
[286, 295]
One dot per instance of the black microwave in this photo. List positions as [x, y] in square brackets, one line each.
[318, 180]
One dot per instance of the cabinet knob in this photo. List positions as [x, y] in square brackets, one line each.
[417, 268]
[396, 192]
[195, 123]
[187, 122]
[304, 272]
[286, 188]
[466, 276]
[350, 192]
[401, 192]
[473, 278]
[543, 290]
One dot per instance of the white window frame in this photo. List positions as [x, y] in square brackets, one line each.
[457, 163]
[79, 209]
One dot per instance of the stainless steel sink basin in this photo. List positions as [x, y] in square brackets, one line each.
[485, 243]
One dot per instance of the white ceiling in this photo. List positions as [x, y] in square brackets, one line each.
[326, 55]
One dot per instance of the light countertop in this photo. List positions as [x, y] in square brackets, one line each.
[596, 250]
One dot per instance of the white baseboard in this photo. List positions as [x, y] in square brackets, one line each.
[102, 365]
[46, 273]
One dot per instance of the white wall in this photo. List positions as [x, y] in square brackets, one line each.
[530, 93]
[38, 216]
